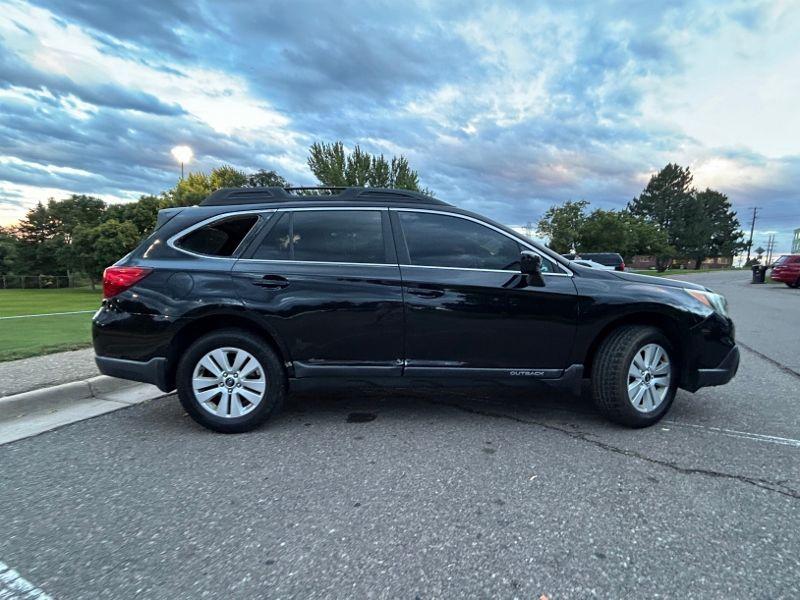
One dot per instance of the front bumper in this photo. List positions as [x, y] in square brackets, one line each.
[719, 375]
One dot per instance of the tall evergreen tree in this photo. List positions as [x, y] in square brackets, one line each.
[665, 202]
[727, 237]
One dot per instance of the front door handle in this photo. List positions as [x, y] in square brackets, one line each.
[272, 282]
[425, 293]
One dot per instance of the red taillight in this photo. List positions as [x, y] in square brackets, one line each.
[621, 266]
[118, 279]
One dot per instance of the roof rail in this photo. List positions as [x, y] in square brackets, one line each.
[262, 195]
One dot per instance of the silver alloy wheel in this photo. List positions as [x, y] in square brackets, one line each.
[649, 377]
[229, 382]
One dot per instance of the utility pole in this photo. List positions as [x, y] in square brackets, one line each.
[752, 227]
[770, 248]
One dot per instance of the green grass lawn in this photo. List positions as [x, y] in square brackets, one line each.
[31, 336]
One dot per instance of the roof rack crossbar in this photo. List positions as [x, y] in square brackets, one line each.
[263, 195]
[330, 189]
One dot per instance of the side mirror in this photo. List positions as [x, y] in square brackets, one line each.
[530, 265]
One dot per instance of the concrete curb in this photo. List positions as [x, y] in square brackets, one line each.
[30, 413]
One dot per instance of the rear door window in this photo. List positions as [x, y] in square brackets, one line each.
[347, 236]
[220, 238]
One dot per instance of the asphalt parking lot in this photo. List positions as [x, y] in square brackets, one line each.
[489, 494]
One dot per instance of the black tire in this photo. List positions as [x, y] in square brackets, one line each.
[274, 394]
[796, 284]
[610, 375]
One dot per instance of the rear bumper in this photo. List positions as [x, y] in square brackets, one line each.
[784, 276]
[720, 375]
[152, 371]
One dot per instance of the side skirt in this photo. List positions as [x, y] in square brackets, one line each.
[568, 380]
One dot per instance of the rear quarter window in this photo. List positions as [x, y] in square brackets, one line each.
[220, 238]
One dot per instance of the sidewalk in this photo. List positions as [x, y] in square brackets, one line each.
[27, 374]
[45, 392]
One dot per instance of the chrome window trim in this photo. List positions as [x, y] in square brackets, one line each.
[525, 244]
[316, 262]
[308, 208]
[172, 241]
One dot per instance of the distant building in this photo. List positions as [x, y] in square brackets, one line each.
[796, 242]
[649, 262]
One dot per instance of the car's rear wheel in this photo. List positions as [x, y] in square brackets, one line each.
[796, 284]
[230, 381]
[634, 376]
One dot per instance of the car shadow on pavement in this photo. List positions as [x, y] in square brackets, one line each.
[537, 406]
[530, 405]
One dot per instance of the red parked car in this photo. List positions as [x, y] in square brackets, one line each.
[787, 270]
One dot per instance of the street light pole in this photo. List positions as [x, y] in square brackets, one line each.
[183, 154]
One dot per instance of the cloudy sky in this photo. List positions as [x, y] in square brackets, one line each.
[503, 107]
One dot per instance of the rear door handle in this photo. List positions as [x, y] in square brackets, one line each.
[272, 282]
[425, 293]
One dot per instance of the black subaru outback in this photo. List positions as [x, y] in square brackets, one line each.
[258, 291]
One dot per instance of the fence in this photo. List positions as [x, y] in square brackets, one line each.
[42, 282]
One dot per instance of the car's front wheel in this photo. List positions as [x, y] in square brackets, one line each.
[230, 381]
[634, 376]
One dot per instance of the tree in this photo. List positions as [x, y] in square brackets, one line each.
[649, 240]
[334, 167]
[8, 251]
[262, 178]
[664, 203]
[66, 215]
[620, 231]
[328, 163]
[195, 187]
[562, 224]
[402, 176]
[227, 176]
[190, 190]
[698, 224]
[142, 213]
[39, 242]
[604, 231]
[102, 245]
[726, 235]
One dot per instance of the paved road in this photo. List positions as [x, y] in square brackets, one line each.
[767, 316]
[473, 494]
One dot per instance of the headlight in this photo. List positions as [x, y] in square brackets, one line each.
[715, 302]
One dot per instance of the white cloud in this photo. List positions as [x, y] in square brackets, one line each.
[219, 99]
[739, 87]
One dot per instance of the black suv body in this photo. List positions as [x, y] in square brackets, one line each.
[257, 291]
